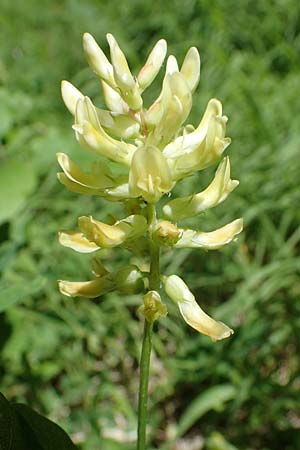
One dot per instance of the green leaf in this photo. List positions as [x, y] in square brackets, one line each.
[14, 293]
[22, 428]
[17, 181]
[6, 424]
[13, 436]
[213, 398]
[48, 435]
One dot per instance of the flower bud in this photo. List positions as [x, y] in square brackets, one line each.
[166, 233]
[97, 60]
[129, 280]
[153, 307]
[191, 312]
[170, 110]
[113, 99]
[172, 65]
[153, 64]
[70, 95]
[123, 77]
[149, 175]
[190, 68]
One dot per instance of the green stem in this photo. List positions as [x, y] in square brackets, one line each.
[154, 281]
[144, 380]
[154, 276]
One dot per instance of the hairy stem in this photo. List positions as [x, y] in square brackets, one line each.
[154, 281]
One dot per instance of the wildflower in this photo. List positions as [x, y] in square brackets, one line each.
[156, 150]
[213, 195]
[191, 312]
[149, 176]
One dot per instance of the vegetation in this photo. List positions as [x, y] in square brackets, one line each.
[76, 361]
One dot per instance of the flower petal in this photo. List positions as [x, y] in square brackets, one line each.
[107, 236]
[117, 193]
[119, 125]
[88, 289]
[100, 179]
[215, 193]
[211, 240]
[202, 147]
[77, 241]
[91, 135]
[76, 187]
[149, 175]
[191, 312]
[113, 99]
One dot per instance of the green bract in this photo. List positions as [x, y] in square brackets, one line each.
[156, 151]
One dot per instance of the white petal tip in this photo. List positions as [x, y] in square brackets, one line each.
[62, 286]
[225, 334]
[110, 39]
[87, 37]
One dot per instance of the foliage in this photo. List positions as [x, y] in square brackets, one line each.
[76, 362]
[21, 428]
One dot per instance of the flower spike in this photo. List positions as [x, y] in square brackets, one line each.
[148, 151]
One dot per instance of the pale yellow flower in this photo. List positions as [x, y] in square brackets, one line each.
[153, 149]
[211, 240]
[150, 176]
[213, 195]
[77, 241]
[191, 312]
[107, 236]
[88, 289]
[202, 147]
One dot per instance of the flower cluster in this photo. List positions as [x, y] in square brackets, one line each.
[156, 151]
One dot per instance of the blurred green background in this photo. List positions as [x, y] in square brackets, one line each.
[76, 360]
